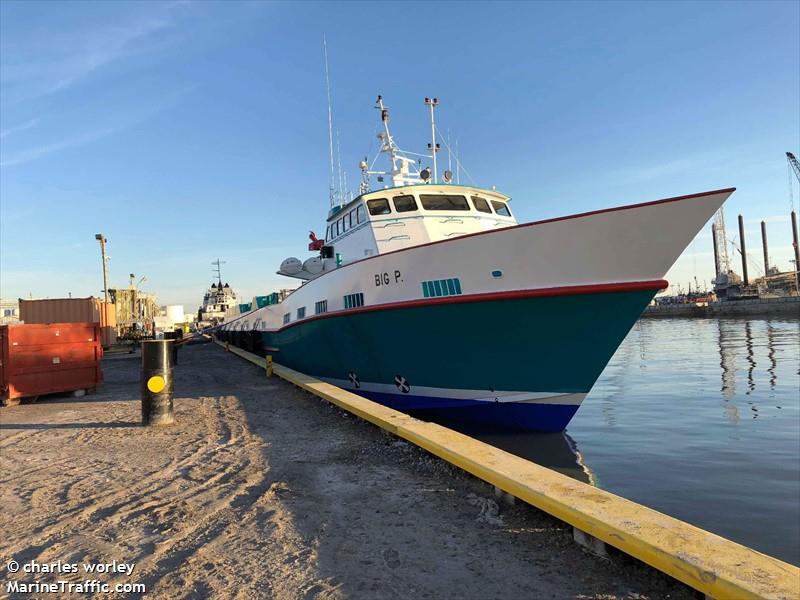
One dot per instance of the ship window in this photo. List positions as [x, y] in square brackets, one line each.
[379, 206]
[481, 204]
[353, 221]
[340, 226]
[404, 203]
[321, 307]
[301, 312]
[443, 202]
[441, 287]
[345, 223]
[286, 318]
[501, 208]
[361, 216]
[354, 300]
[327, 233]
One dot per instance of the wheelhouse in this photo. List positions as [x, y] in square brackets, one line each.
[395, 218]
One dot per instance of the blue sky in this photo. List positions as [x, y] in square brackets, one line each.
[191, 130]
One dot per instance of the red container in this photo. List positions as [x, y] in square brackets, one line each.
[73, 310]
[48, 358]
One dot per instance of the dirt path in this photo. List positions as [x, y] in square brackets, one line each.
[263, 491]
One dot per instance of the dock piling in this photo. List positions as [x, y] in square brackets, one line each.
[590, 543]
[743, 250]
[796, 250]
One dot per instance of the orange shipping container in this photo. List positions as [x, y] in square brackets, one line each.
[72, 310]
[46, 359]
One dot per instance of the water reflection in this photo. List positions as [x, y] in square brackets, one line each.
[751, 361]
[557, 451]
[771, 355]
[727, 359]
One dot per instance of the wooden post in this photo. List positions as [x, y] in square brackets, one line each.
[268, 365]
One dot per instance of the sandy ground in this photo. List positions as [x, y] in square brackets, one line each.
[263, 491]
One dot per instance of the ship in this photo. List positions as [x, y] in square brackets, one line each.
[218, 299]
[428, 296]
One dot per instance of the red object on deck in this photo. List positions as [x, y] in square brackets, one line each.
[49, 358]
[315, 244]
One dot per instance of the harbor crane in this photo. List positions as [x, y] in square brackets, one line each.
[794, 164]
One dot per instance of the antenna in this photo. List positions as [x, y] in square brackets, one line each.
[458, 164]
[433, 103]
[449, 153]
[330, 114]
[339, 159]
[218, 270]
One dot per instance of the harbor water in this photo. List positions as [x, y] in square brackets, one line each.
[696, 418]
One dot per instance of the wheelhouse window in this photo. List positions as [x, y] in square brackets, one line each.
[404, 203]
[327, 233]
[379, 206]
[340, 225]
[501, 208]
[481, 204]
[345, 223]
[361, 214]
[443, 202]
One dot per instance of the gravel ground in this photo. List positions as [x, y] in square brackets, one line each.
[261, 490]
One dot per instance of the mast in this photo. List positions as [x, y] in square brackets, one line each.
[330, 117]
[433, 146]
[218, 270]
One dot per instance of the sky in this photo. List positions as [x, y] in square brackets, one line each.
[191, 131]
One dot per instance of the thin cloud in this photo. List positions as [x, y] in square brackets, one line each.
[54, 64]
[40, 151]
[21, 127]
[31, 154]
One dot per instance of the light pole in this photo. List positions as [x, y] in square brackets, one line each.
[101, 238]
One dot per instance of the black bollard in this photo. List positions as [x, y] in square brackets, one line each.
[173, 335]
[156, 382]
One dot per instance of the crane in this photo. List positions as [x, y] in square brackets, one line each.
[794, 164]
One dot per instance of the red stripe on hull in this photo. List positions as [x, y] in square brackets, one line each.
[572, 290]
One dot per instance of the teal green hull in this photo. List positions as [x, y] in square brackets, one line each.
[553, 344]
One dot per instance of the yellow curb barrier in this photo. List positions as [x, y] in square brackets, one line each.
[702, 560]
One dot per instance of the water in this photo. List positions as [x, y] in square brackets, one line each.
[696, 418]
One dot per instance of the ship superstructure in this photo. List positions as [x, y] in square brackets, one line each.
[217, 301]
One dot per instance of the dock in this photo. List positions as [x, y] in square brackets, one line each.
[262, 489]
[786, 306]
